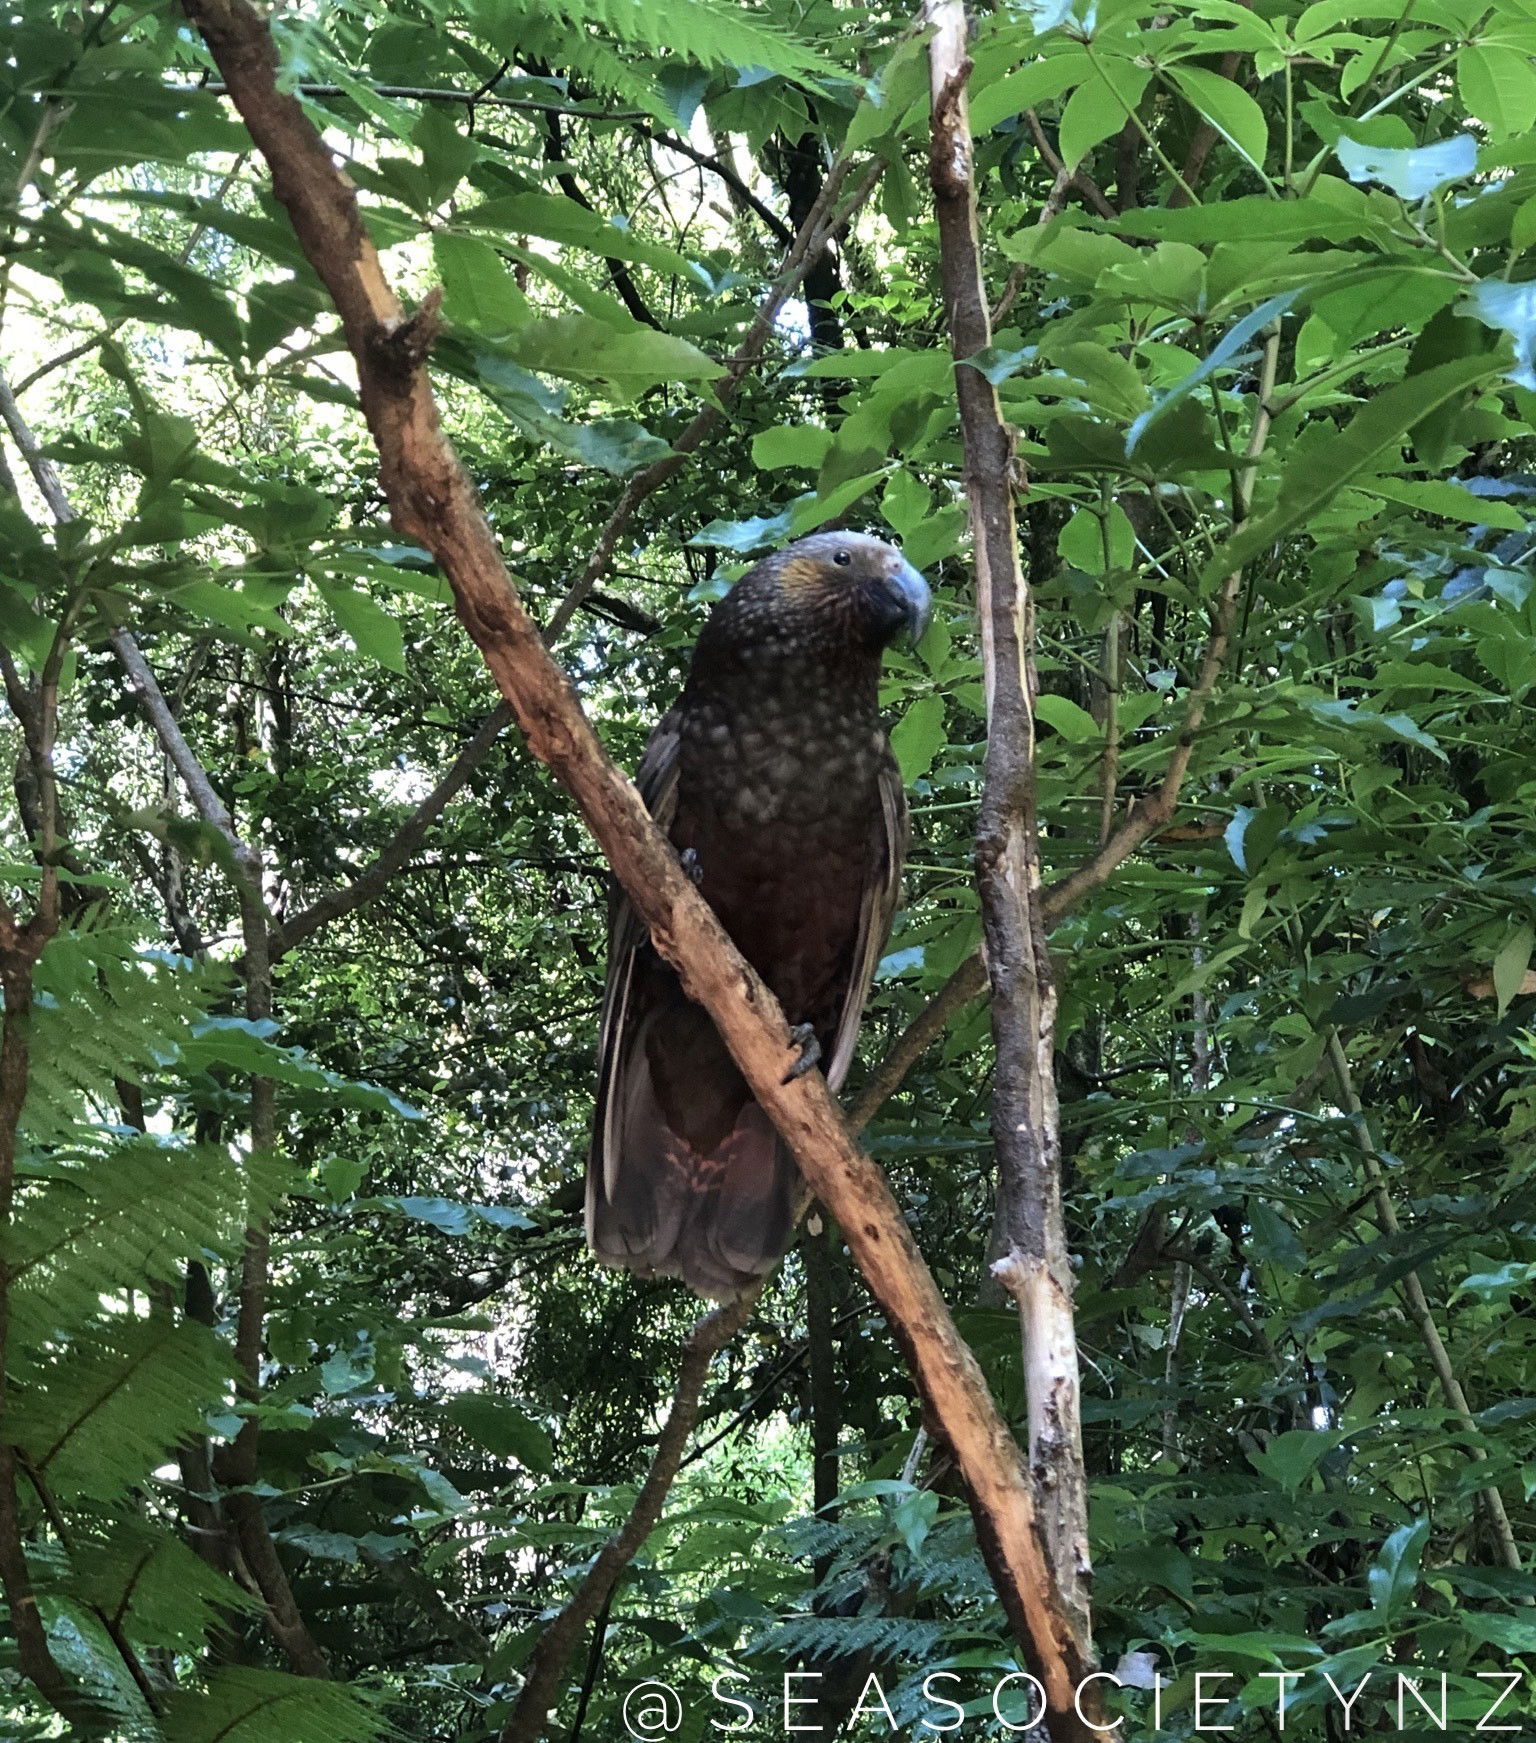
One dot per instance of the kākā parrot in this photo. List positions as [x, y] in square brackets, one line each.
[773, 778]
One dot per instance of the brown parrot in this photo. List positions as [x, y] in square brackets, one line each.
[773, 778]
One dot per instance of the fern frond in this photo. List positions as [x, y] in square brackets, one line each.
[130, 1213]
[100, 1418]
[846, 1636]
[105, 1011]
[812, 1539]
[151, 1584]
[711, 33]
[82, 1648]
[556, 43]
[241, 1705]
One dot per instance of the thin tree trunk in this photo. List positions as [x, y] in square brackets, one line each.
[1034, 1266]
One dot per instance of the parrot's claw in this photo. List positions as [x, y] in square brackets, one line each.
[689, 860]
[803, 1036]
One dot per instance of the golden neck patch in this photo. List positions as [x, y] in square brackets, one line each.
[800, 574]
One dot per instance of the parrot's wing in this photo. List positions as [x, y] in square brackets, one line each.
[656, 779]
[882, 895]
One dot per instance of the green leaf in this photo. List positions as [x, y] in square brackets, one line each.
[503, 1428]
[562, 221]
[1099, 106]
[1449, 499]
[452, 1216]
[1291, 1458]
[743, 536]
[160, 1591]
[478, 290]
[1495, 1285]
[370, 626]
[243, 1045]
[1498, 86]
[918, 737]
[1510, 964]
[101, 1417]
[1394, 1574]
[617, 446]
[1228, 108]
[1097, 542]
[1032, 85]
[803, 445]
[1508, 1633]
[1415, 172]
[243, 1705]
[1076, 725]
[586, 349]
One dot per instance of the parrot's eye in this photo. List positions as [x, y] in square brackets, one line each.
[842, 559]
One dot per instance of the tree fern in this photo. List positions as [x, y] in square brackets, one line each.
[241, 1705]
[125, 1214]
[100, 1418]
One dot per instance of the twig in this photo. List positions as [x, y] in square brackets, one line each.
[433, 501]
[44, 473]
[969, 979]
[194, 777]
[546, 1667]
[780, 230]
[822, 222]
[1155, 814]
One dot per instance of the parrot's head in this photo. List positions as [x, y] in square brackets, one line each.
[838, 586]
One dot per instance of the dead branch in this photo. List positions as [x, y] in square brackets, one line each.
[434, 502]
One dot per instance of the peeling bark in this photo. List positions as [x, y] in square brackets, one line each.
[1034, 1265]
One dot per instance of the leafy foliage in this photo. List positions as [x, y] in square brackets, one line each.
[1265, 326]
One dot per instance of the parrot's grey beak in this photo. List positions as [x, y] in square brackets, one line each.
[917, 599]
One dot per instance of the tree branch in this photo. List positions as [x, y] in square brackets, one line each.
[969, 979]
[433, 501]
[397, 853]
[546, 1667]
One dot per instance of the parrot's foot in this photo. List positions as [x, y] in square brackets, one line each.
[803, 1036]
[689, 860]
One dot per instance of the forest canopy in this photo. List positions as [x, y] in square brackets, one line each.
[1189, 351]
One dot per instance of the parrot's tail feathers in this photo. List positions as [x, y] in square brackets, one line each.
[719, 1221]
